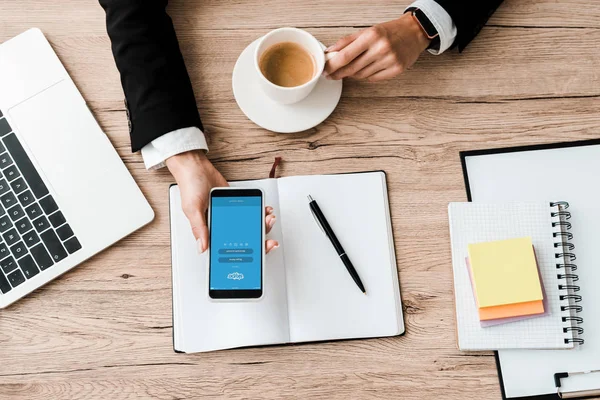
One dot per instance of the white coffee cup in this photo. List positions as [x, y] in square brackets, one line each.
[291, 95]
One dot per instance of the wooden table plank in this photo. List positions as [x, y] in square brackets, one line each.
[383, 127]
[78, 16]
[563, 64]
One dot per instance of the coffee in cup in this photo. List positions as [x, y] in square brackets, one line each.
[287, 64]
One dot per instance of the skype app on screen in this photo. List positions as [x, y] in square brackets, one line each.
[235, 243]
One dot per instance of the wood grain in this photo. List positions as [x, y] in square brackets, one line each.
[104, 330]
[498, 65]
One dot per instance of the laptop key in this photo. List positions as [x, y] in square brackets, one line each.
[28, 266]
[64, 232]
[23, 225]
[18, 250]
[55, 248]
[2, 210]
[5, 224]
[4, 285]
[8, 200]
[16, 212]
[33, 211]
[4, 127]
[3, 186]
[11, 172]
[5, 160]
[41, 224]
[26, 198]
[41, 256]
[3, 251]
[18, 185]
[8, 265]
[11, 237]
[48, 205]
[57, 219]
[72, 245]
[28, 171]
[30, 238]
[16, 278]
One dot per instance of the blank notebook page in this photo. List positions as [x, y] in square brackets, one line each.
[323, 301]
[474, 223]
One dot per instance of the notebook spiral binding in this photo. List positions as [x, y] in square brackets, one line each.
[566, 256]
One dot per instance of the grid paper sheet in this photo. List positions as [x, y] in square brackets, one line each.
[481, 222]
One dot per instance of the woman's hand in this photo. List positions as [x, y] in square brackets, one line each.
[196, 176]
[379, 52]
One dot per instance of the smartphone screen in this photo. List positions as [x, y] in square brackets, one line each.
[236, 243]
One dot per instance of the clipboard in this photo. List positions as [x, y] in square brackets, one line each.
[558, 381]
[538, 162]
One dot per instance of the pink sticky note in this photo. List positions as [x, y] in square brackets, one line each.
[500, 321]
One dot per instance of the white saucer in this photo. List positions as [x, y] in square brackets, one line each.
[266, 113]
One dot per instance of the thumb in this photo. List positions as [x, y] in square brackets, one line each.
[199, 229]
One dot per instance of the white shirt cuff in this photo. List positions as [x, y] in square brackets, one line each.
[441, 20]
[179, 141]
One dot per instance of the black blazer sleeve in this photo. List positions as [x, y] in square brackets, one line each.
[158, 91]
[469, 16]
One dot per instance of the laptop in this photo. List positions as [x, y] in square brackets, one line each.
[65, 194]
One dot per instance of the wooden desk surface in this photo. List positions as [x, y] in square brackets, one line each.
[104, 329]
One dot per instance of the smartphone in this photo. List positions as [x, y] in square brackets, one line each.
[237, 242]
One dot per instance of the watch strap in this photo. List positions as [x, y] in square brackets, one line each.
[427, 27]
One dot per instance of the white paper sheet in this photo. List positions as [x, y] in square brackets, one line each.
[324, 302]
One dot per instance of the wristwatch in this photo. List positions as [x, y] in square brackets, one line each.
[427, 27]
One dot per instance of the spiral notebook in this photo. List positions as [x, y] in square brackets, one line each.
[547, 225]
[555, 171]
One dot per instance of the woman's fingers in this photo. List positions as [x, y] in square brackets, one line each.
[369, 70]
[269, 218]
[270, 221]
[360, 62]
[343, 42]
[347, 55]
[387, 73]
[271, 245]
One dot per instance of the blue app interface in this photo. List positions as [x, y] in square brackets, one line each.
[235, 243]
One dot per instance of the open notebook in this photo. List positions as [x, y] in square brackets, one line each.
[566, 171]
[308, 294]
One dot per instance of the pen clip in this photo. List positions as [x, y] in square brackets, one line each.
[317, 221]
[315, 216]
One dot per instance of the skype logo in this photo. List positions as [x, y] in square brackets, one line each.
[236, 276]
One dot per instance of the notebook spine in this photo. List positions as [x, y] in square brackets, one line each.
[566, 268]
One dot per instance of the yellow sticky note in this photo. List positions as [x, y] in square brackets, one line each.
[505, 272]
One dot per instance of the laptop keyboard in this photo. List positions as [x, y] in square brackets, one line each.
[34, 233]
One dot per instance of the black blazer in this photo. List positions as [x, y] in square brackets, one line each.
[158, 91]
[159, 94]
[469, 16]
